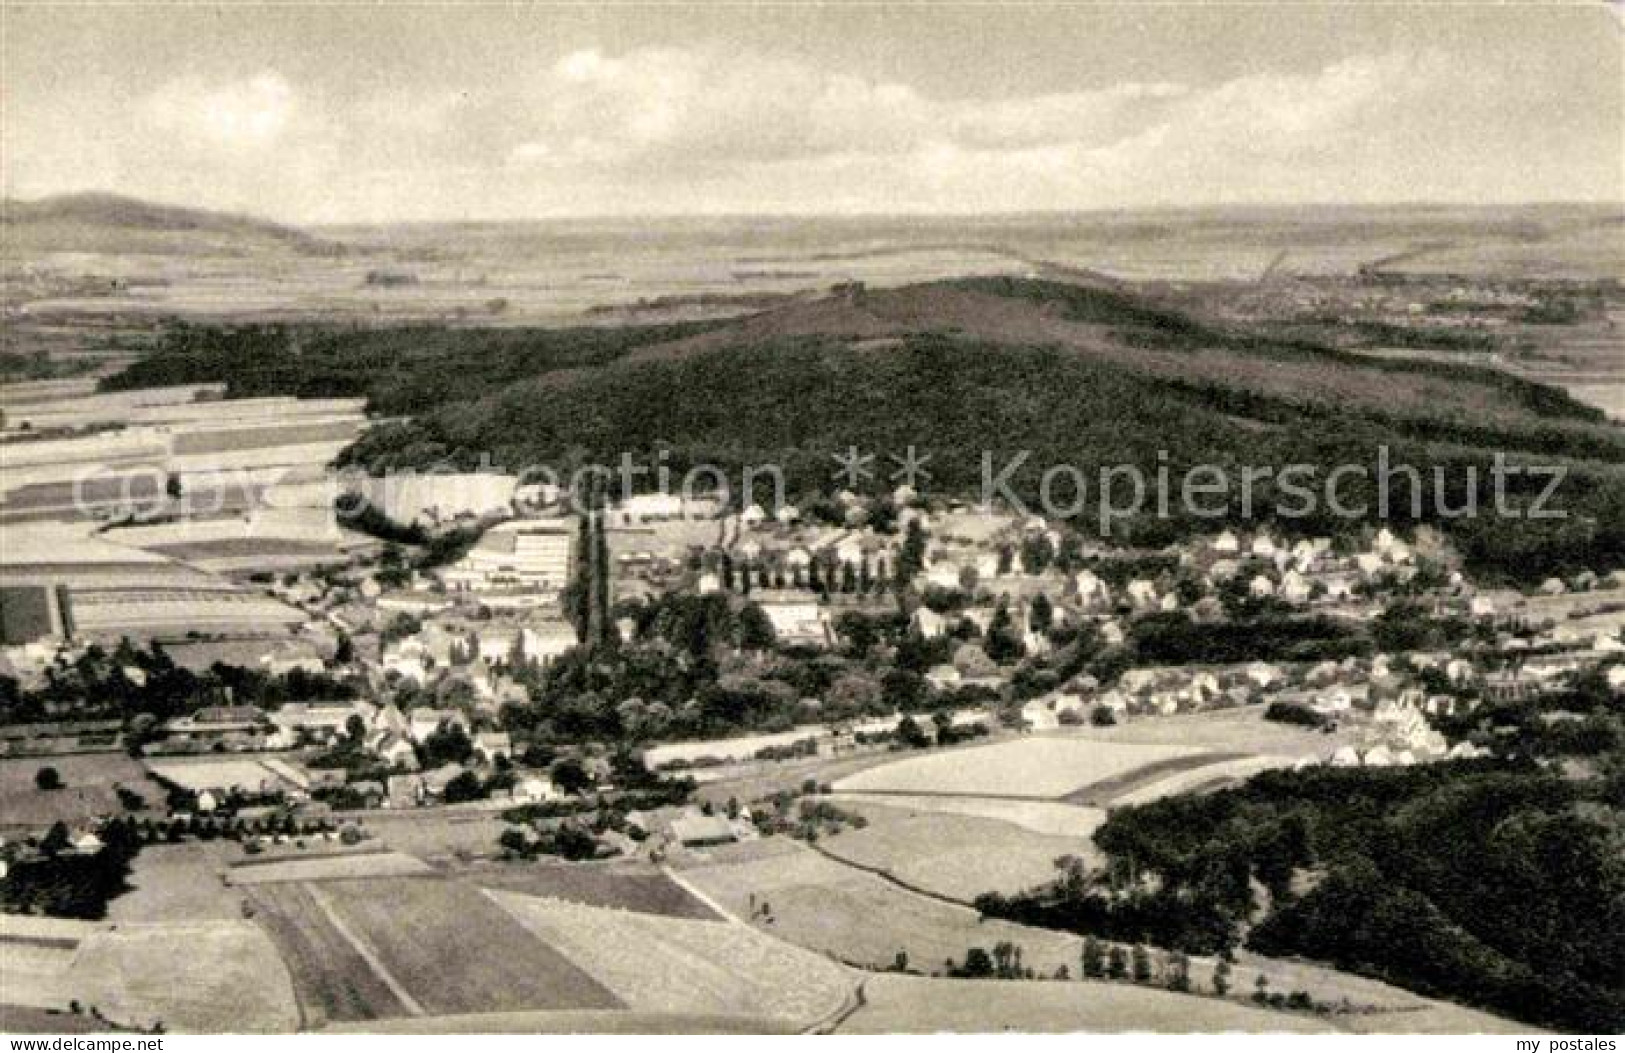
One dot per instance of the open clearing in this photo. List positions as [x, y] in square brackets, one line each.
[922, 1005]
[1037, 768]
[679, 965]
[957, 856]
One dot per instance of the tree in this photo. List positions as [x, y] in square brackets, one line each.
[911, 559]
[513, 841]
[753, 629]
[1116, 964]
[1102, 717]
[1179, 972]
[465, 786]
[978, 964]
[1041, 614]
[1094, 958]
[1221, 978]
[910, 734]
[56, 839]
[571, 776]
[1003, 645]
[48, 778]
[1142, 964]
[447, 744]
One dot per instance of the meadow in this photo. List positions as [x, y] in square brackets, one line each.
[922, 1005]
[89, 782]
[1040, 768]
[957, 856]
[857, 917]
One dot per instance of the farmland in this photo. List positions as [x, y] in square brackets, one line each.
[89, 781]
[858, 917]
[217, 773]
[1035, 768]
[957, 856]
[331, 980]
[228, 978]
[916, 1005]
[618, 887]
[1040, 817]
[678, 965]
[329, 866]
[179, 882]
[454, 950]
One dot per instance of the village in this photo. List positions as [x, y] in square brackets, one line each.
[950, 610]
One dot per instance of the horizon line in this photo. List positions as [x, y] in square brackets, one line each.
[862, 214]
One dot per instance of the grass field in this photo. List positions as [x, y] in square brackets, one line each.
[455, 951]
[1242, 729]
[32, 1020]
[326, 867]
[860, 918]
[1041, 817]
[195, 977]
[917, 1005]
[957, 856]
[437, 833]
[1115, 788]
[1200, 779]
[1039, 768]
[36, 958]
[174, 883]
[569, 1022]
[216, 773]
[679, 965]
[642, 891]
[88, 781]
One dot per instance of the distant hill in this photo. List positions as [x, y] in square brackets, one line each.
[1079, 375]
[110, 223]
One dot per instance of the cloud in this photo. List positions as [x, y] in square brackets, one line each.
[676, 129]
[250, 113]
[698, 106]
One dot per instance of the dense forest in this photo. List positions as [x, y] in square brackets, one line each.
[564, 398]
[1486, 882]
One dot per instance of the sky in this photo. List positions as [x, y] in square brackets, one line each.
[329, 113]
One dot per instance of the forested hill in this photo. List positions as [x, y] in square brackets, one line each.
[1076, 376]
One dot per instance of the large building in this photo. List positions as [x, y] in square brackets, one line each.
[515, 557]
